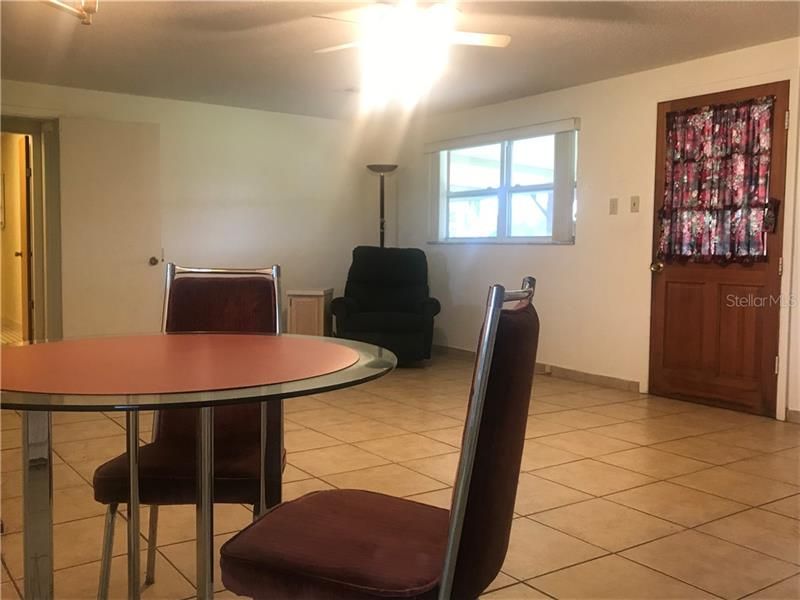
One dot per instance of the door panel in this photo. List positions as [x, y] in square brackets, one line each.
[683, 348]
[740, 330]
[110, 227]
[714, 328]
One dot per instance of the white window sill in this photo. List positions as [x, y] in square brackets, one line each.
[496, 242]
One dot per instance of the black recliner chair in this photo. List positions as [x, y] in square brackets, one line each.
[386, 302]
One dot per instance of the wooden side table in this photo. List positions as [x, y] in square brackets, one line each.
[310, 311]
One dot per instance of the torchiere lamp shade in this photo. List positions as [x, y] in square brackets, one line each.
[382, 168]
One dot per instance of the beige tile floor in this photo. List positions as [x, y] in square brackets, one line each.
[622, 496]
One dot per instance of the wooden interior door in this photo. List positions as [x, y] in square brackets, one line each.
[25, 196]
[714, 328]
[112, 276]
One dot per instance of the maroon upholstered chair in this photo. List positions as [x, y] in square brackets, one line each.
[198, 300]
[354, 544]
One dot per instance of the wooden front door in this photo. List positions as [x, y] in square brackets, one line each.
[714, 322]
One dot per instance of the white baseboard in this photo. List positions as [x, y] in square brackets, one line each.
[555, 371]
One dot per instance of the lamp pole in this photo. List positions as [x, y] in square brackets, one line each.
[382, 170]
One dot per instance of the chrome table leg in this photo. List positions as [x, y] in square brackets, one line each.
[132, 436]
[261, 508]
[274, 452]
[205, 504]
[37, 498]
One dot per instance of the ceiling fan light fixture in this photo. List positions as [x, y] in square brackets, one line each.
[404, 50]
[84, 9]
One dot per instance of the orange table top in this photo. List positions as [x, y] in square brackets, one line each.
[168, 364]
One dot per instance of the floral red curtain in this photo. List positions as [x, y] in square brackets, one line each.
[716, 205]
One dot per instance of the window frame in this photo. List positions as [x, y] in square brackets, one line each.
[440, 172]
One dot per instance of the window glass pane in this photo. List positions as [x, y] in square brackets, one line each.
[474, 216]
[532, 214]
[475, 168]
[574, 205]
[533, 161]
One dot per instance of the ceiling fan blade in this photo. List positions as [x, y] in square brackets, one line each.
[491, 40]
[352, 21]
[346, 46]
[572, 11]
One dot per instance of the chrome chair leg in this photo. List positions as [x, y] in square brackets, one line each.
[152, 535]
[108, 546]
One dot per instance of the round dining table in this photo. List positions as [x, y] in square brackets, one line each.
[153, 372]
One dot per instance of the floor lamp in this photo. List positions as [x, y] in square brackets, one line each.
[382, 170]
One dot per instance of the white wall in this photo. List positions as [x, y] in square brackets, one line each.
[593, 297]
[240, 187]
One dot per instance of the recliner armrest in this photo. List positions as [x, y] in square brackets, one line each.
[429, 307]
[343, 306]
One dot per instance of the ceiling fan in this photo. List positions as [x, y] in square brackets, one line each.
[404, 48]
[406, 19]
[83, 9]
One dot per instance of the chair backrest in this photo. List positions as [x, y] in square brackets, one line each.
[387, 279]
[220, 301]
[494, 436]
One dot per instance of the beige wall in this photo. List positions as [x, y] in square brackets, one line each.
[240, 187]
[593, 297]
[10, 236]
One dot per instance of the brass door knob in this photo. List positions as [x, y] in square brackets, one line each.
[656, 266]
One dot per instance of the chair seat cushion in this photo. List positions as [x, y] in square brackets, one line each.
[167, 475]
[339, 544]
[385, 322]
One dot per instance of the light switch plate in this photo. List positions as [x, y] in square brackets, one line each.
[634, 204]
[613, 206]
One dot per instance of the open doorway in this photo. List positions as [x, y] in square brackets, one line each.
[16, 307]
[30, 230]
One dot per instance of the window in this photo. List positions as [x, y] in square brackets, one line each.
[520, 189]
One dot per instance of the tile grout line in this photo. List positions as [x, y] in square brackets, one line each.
[672, 481]
[770, 585]
[673, 577]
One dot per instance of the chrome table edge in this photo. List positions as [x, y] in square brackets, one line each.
[372, 363]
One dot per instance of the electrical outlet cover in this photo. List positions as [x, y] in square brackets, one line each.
[613, 206]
